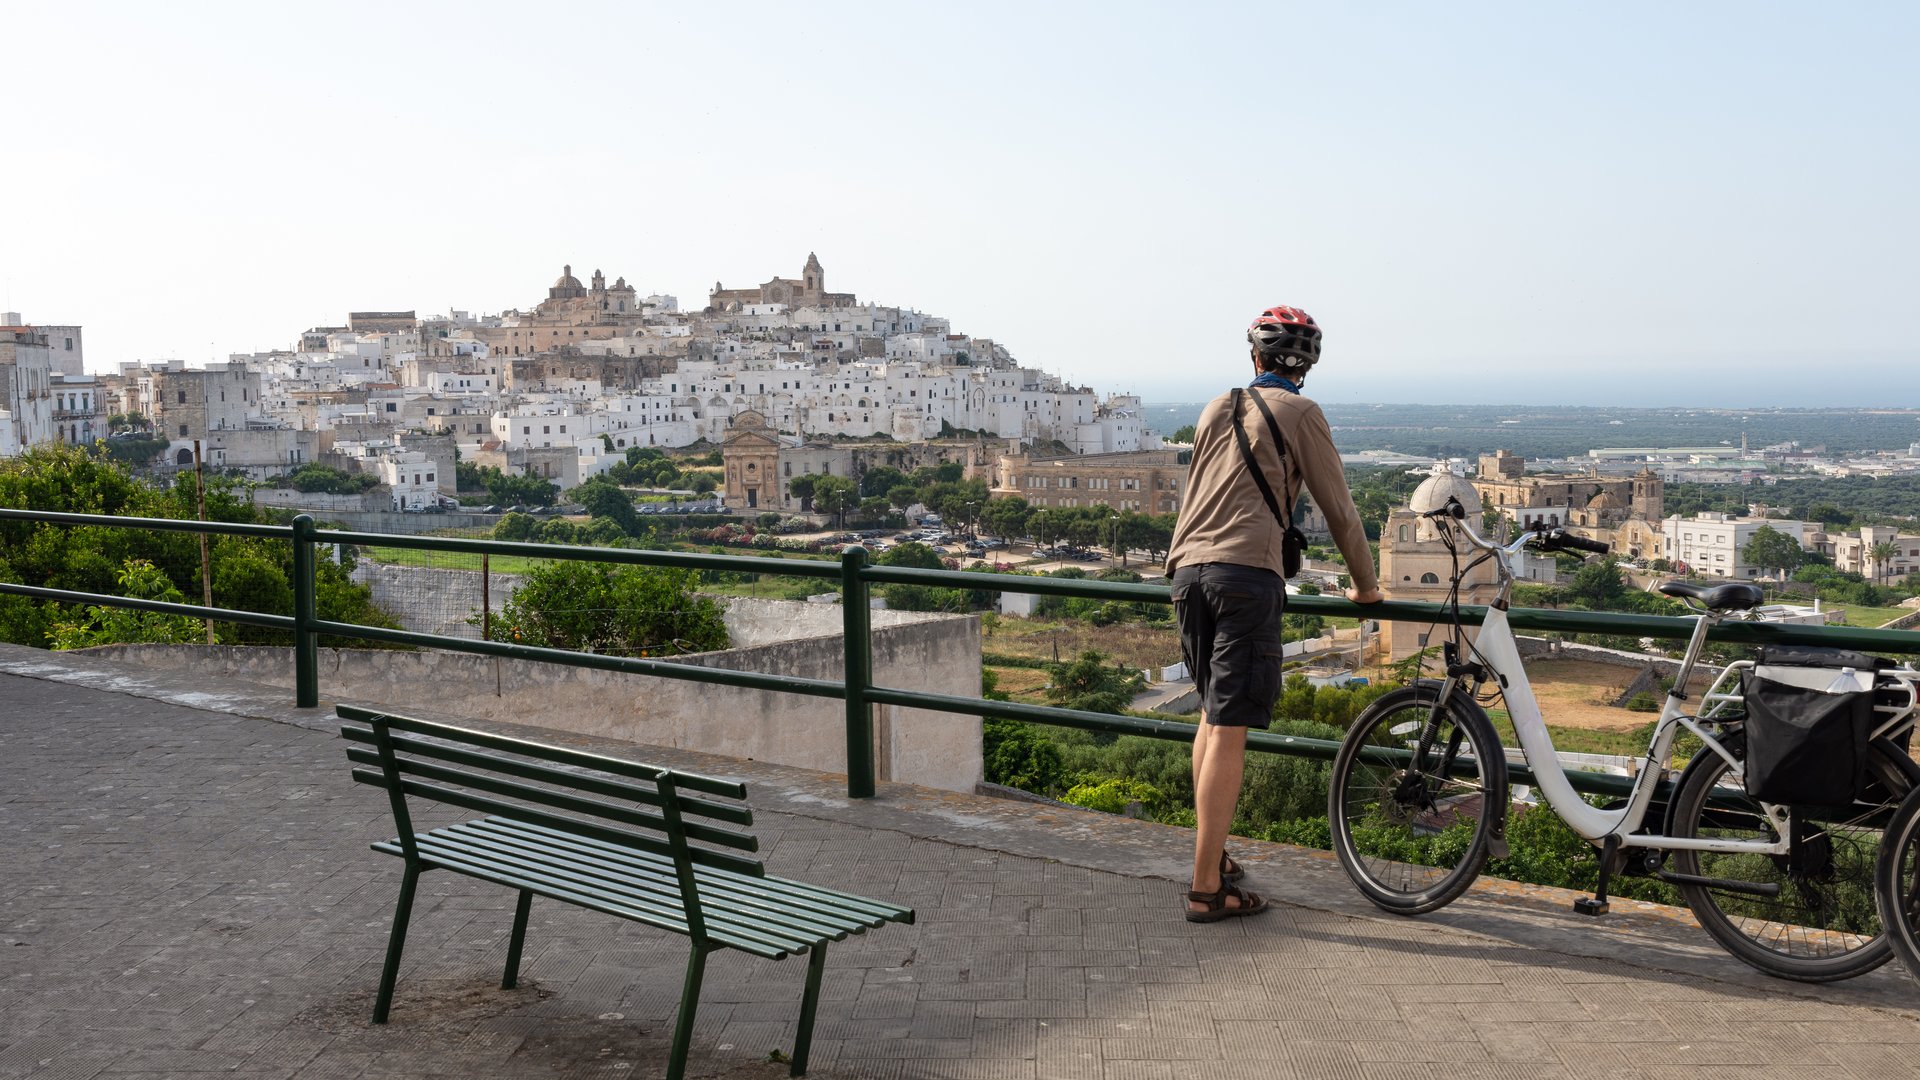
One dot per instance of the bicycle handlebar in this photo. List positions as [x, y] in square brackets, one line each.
[1554, 539]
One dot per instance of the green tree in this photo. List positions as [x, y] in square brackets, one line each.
[879, 480]
[1091, 683]
[248, 577]
[1770, 549]
[510, 490]
[1007, 517]
[802, 488]
[331, 481]
[835, 495]
[99, 625]
[1022, 756]
[1598, 585]
[1882, 555]
[1184, 436]
[594, 607]
[604, 500]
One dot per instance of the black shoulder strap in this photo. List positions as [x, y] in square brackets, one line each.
[1253, 467]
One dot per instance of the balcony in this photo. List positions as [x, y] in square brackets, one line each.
[189, 849]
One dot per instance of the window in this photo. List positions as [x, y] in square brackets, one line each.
[183, 397]
[393, 407]
[1429, 579]
[183, 433]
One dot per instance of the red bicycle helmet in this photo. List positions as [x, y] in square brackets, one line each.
[1286, 332]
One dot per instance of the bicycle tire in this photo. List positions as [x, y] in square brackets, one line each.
[1825, 924]
[1413, 843]
[1895, 882]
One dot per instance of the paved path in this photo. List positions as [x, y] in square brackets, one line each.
[187, 891]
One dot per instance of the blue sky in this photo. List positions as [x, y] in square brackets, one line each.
[1701, 203]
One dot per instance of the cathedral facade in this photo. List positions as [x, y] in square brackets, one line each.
[807, 290]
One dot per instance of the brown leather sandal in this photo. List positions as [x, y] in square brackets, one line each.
[1230, 871]
[1217, 909]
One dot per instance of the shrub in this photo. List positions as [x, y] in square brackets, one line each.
[1115, 796]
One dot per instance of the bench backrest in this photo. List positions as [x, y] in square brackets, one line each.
[681, 816]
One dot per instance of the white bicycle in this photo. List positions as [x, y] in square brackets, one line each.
[1419, 797]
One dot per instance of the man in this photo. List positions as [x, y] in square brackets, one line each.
[1228, 588]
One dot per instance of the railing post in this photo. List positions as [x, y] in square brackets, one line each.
[306, 643]
[857, 620]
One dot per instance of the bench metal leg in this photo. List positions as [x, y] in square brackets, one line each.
[512, 978]
[809, 1004]
[396, 941]
[689, 1004]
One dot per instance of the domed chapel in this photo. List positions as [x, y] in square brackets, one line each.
[1416, 565]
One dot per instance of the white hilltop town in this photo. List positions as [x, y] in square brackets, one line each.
[562, 390]
[787, 379]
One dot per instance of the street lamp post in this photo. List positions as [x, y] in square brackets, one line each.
[1113, 533]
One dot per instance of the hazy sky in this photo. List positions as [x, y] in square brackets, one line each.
[1667, 203]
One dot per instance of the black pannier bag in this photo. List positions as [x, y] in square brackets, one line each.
[1809, 716]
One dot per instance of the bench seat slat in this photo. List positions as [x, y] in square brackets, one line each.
[716, 891]
[533, 884]
[709, 785]
[613, 837]
[772, 889]
[560, 800]
[532, 770]
[794, 933]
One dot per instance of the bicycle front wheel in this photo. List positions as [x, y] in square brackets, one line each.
[1823, 924]
[1416, 789]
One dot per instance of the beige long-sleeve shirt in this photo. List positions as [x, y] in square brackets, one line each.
[1223, 518]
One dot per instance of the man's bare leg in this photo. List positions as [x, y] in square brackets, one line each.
[1219, 763]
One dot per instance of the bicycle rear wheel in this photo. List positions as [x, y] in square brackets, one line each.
[1823, 925]
[1416, 789]
[1896, 885]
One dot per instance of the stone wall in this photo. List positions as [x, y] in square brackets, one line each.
[932, 749]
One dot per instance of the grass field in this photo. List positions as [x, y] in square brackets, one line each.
[454, 560]
[1872, 616]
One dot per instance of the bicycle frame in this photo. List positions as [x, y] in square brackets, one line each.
[1496, 647]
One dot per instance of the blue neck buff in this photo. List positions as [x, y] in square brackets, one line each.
[1274, 381]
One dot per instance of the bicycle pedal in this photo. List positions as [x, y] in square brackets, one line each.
[1588, 905]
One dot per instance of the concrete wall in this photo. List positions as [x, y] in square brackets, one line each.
[914, 746]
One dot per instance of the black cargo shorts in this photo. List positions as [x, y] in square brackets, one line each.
[1229, 619]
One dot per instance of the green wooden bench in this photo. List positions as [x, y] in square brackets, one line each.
[563, 824]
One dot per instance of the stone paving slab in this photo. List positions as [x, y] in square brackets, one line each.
[185, 889]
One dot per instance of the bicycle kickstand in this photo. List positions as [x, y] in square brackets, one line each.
[1596, 905]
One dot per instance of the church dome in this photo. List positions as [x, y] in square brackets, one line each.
[1435, 490]
[1606, 500]
[567, 280]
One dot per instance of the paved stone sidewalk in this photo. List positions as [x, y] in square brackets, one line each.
[186, 891]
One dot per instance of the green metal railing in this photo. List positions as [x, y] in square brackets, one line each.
[855, 577]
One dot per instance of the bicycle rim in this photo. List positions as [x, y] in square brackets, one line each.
[1824, 924]
[1412, 834]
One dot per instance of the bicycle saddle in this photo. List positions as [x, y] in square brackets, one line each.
[1733, 596]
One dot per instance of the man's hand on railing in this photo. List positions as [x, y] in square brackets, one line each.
[1371, 596]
